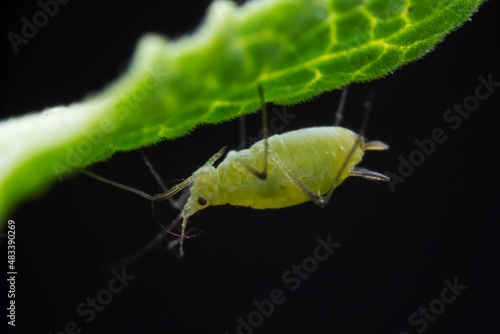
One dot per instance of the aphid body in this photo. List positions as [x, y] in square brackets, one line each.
[313, 155]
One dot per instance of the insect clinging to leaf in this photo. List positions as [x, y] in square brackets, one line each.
[276, 172]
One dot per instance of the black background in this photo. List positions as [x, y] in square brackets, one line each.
[396, 247]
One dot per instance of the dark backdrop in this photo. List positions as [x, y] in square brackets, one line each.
[396, 250]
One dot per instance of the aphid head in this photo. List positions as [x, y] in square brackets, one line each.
[205, 187]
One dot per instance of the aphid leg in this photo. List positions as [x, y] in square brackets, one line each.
[183, 236]
[261, 175]
[153, 171]
[359, 171]
[368, 107]
[373, 145]
[298, 183]
[340, 109]
[177, 204]
[319, 200]
[243, 132]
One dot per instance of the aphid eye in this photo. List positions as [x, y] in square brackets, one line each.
[202, 201]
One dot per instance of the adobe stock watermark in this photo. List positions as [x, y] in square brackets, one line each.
[292, 278]
[31, 26]
[88, 309]
[420, 320]
[96, 136]
[453, 117]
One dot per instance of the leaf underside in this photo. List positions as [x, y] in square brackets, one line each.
[296, 49]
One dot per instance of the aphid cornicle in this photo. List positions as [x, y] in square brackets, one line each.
[298, 166]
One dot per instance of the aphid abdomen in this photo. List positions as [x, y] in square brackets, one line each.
[313, 155]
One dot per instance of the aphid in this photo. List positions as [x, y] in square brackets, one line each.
[297, 166]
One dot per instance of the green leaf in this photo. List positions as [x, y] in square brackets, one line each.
[297, 49]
